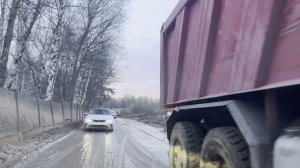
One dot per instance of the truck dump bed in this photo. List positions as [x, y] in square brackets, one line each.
[211, 48]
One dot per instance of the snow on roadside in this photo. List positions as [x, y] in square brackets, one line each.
[155, 119]
[155, 132]
[152, 138]
[13, 153]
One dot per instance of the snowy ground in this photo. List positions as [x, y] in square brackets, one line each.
[13, 153]
[131, 145]
[153, 119]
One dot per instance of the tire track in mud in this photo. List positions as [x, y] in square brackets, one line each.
[120, 138]
[93, 149]
[149, 134]
[140, 157]
[52, 156]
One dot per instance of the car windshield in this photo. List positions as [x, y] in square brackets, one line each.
[100, 112]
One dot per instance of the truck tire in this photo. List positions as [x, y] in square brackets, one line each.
[185, 145]
[225, 147]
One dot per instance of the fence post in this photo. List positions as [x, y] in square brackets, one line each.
[18, 115]
[77, 113]
[39, 111]
[71, 113]
[63, 112]
[82, 112]
[52, 113]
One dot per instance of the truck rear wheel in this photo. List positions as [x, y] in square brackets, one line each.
[185, 145]
[225, 147]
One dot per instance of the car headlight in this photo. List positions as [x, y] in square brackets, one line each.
[88, 120]
[109, 121]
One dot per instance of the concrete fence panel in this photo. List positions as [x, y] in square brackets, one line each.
[46, 115]
[67, 111]
[80, 112]
[57, 113]
[8, 113]
[28, 112]
[77, 112]
[74, 112]
[23, 114]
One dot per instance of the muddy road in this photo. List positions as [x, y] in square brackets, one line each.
[131, 145]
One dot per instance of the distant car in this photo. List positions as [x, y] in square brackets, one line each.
[114, 114]
[98, 118]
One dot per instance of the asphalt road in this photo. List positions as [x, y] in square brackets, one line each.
[131, 145]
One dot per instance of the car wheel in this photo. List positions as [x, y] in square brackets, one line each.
[225, 147]
[185, 145]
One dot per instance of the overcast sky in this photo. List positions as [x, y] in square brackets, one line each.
[140, 64]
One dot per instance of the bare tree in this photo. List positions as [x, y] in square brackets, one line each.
[7, 40]
[55, 48]
[2, 20]
[62, 50]
[22, 42]
[101, 18]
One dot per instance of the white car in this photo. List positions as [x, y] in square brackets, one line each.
[98, 118]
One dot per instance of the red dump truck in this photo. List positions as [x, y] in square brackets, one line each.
[230, 74]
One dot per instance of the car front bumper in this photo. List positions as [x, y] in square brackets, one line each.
[98, 125]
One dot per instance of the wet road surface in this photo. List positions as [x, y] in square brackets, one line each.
[131, 145]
